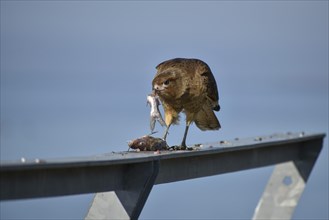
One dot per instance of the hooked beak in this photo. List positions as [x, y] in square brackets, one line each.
[155, 91]
[156, 87]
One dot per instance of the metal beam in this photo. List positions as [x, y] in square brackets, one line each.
[108, 172]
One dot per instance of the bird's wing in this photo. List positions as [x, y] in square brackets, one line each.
[211, 85]
[206, 119]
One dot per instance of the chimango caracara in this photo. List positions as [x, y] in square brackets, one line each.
[187, 85]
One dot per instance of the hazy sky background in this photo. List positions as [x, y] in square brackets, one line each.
[75, 75]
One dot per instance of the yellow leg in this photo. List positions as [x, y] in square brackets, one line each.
[169, 120]
[166, 133]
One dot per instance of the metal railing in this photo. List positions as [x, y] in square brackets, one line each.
[122, 181]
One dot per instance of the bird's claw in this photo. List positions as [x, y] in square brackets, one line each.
[179, 147]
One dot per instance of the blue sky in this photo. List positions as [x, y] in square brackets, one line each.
[75, 75]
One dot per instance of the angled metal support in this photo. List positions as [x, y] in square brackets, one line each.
[128, 202]
[287, 184]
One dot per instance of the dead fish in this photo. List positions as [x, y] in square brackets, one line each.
[148, 143]
[155, 114]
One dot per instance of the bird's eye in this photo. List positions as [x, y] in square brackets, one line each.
[166, 82]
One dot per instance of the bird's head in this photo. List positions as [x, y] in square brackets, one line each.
[166, 84]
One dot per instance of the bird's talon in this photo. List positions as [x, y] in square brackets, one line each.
[172, 148]
[182, 147]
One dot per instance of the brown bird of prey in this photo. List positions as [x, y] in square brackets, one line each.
[187, 85]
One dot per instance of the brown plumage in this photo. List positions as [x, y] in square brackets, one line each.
[187, 85]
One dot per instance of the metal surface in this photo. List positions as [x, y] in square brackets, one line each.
[129, 202]
[281, 194]
[117, 172]
[287, 184]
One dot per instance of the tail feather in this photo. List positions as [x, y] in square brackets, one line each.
[206, 119]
